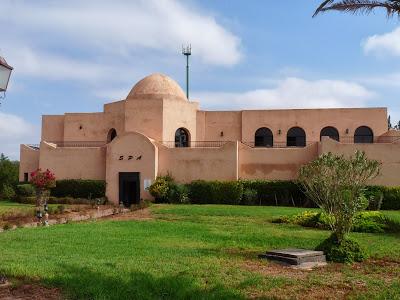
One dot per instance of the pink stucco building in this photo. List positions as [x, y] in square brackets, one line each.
[156, 131]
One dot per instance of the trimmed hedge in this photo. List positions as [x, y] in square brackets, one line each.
[215, 192]
[390, 197]
[278, 192]
[79, 188]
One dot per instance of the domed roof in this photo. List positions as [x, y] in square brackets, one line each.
[157, 84]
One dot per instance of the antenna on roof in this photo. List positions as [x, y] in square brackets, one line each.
[187, 51]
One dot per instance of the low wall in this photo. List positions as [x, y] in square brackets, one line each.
[188, 164]
[73, 163]
[273, 163]
[387, 154]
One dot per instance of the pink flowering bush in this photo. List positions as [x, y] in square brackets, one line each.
[43, 182]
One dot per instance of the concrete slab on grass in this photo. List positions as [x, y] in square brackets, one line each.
[301, 258]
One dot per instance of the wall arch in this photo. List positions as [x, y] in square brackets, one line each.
[363, 135]
[112, 134]
[331, 132]
[263, 137]
[182, 138]
[296, 137]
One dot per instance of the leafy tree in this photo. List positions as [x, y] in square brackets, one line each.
[8, 175]
[389, 123]
[336, 184]
[392, 7]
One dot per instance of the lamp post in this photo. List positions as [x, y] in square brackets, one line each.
[5, 73]
[187, 51]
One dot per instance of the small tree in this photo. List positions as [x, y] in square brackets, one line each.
[43, 182]
[336, 184]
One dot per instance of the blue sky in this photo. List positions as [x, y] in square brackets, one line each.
[74, 56]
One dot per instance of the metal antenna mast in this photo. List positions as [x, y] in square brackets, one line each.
[187, 51]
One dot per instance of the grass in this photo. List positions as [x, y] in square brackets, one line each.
[193, 252]
[8, 206]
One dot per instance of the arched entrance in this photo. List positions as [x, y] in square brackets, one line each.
[363, 135]
[182, 138]
[331, 132]
[263, 138]
[296, 137]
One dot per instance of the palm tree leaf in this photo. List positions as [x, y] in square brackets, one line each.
[360, 6]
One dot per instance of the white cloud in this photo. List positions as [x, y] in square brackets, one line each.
[384, 80]
[29, 62]
[122, 27]
[291, 93]
[385, 44]
[14, 131]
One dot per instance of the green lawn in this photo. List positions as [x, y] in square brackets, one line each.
[193, 252]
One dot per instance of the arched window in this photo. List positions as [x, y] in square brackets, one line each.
[363, 135]
[263, 138]
[181, 138]
[296, 137]
[112, 134]
[331, 132]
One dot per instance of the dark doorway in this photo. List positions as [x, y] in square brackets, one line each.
[181, 138]
[129, 188]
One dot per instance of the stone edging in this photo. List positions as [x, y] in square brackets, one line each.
[75, 217]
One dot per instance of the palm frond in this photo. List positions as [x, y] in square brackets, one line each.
[360, 6]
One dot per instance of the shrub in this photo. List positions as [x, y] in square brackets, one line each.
[160, 189]
[79, 188]
[368, 221]
[391, 198]
[250, 197]
[7, 192]
[348, 251]
[278, 192]
[25, 190]
[179, 193]
[336, 184]
[215, 192]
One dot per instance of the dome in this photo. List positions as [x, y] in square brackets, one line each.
[158, 85]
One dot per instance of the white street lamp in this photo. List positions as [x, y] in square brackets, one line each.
[5, 73]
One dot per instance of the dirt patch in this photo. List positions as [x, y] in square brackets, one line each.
[28, 292]
[139, 215]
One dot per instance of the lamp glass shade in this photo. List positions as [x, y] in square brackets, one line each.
[5, 73]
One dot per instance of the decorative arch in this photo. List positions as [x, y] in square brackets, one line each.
[363, 135]
[182, 138]
[263, 137]
[331, 132]
[112, 134]
[296, 137]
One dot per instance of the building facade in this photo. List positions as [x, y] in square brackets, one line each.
[156, 131]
